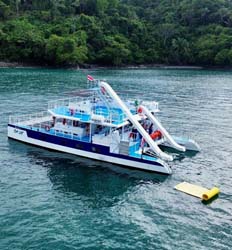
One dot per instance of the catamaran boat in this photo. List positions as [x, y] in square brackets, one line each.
[98, 124]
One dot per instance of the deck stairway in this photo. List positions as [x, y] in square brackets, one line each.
[124, 147]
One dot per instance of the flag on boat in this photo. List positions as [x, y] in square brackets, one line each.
[90, 78]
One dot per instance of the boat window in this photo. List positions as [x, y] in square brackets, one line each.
[75, 123]
[82, 125]
[69, 122]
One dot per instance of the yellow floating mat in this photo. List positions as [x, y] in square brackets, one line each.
[197, 191]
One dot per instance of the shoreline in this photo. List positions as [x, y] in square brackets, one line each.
[5, 64]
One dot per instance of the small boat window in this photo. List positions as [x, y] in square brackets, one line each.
[75, 123]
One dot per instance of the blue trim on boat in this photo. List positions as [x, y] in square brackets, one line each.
[81, 145]
[117, 114]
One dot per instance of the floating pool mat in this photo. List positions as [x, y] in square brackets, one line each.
[197, 191]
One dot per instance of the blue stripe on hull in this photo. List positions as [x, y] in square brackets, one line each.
[85, 146]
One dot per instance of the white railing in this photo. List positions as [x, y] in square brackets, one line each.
[151, 105]
[66, 102]
[106, 116]
[30, 119]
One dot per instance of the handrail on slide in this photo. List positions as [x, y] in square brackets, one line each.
[162, 129]
[137, 125]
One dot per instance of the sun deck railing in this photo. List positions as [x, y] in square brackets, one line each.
[81, 107]
[30, 119]
[66, 102]
[109, 116]
[151, 105]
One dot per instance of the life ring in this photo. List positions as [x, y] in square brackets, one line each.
[156, 135]
[140, 110]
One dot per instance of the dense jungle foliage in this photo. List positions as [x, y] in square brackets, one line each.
[116, 32]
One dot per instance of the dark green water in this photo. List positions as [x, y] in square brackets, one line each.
[53, 201]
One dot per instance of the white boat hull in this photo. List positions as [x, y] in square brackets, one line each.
[21, 135]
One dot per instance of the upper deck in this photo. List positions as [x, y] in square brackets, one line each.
[96, 107]
[93, 106]
[87, 110]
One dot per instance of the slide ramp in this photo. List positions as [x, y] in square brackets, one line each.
[165, 133]
[136, 124]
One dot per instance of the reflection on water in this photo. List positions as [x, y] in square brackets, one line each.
[100, 183]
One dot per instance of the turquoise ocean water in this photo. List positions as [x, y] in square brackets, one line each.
[50, 200]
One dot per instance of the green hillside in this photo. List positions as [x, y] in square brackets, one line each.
[114, 32]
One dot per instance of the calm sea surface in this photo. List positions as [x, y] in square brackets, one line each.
[53, 201]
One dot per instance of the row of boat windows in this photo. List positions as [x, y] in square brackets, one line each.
[67, 122]
[77, 146]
